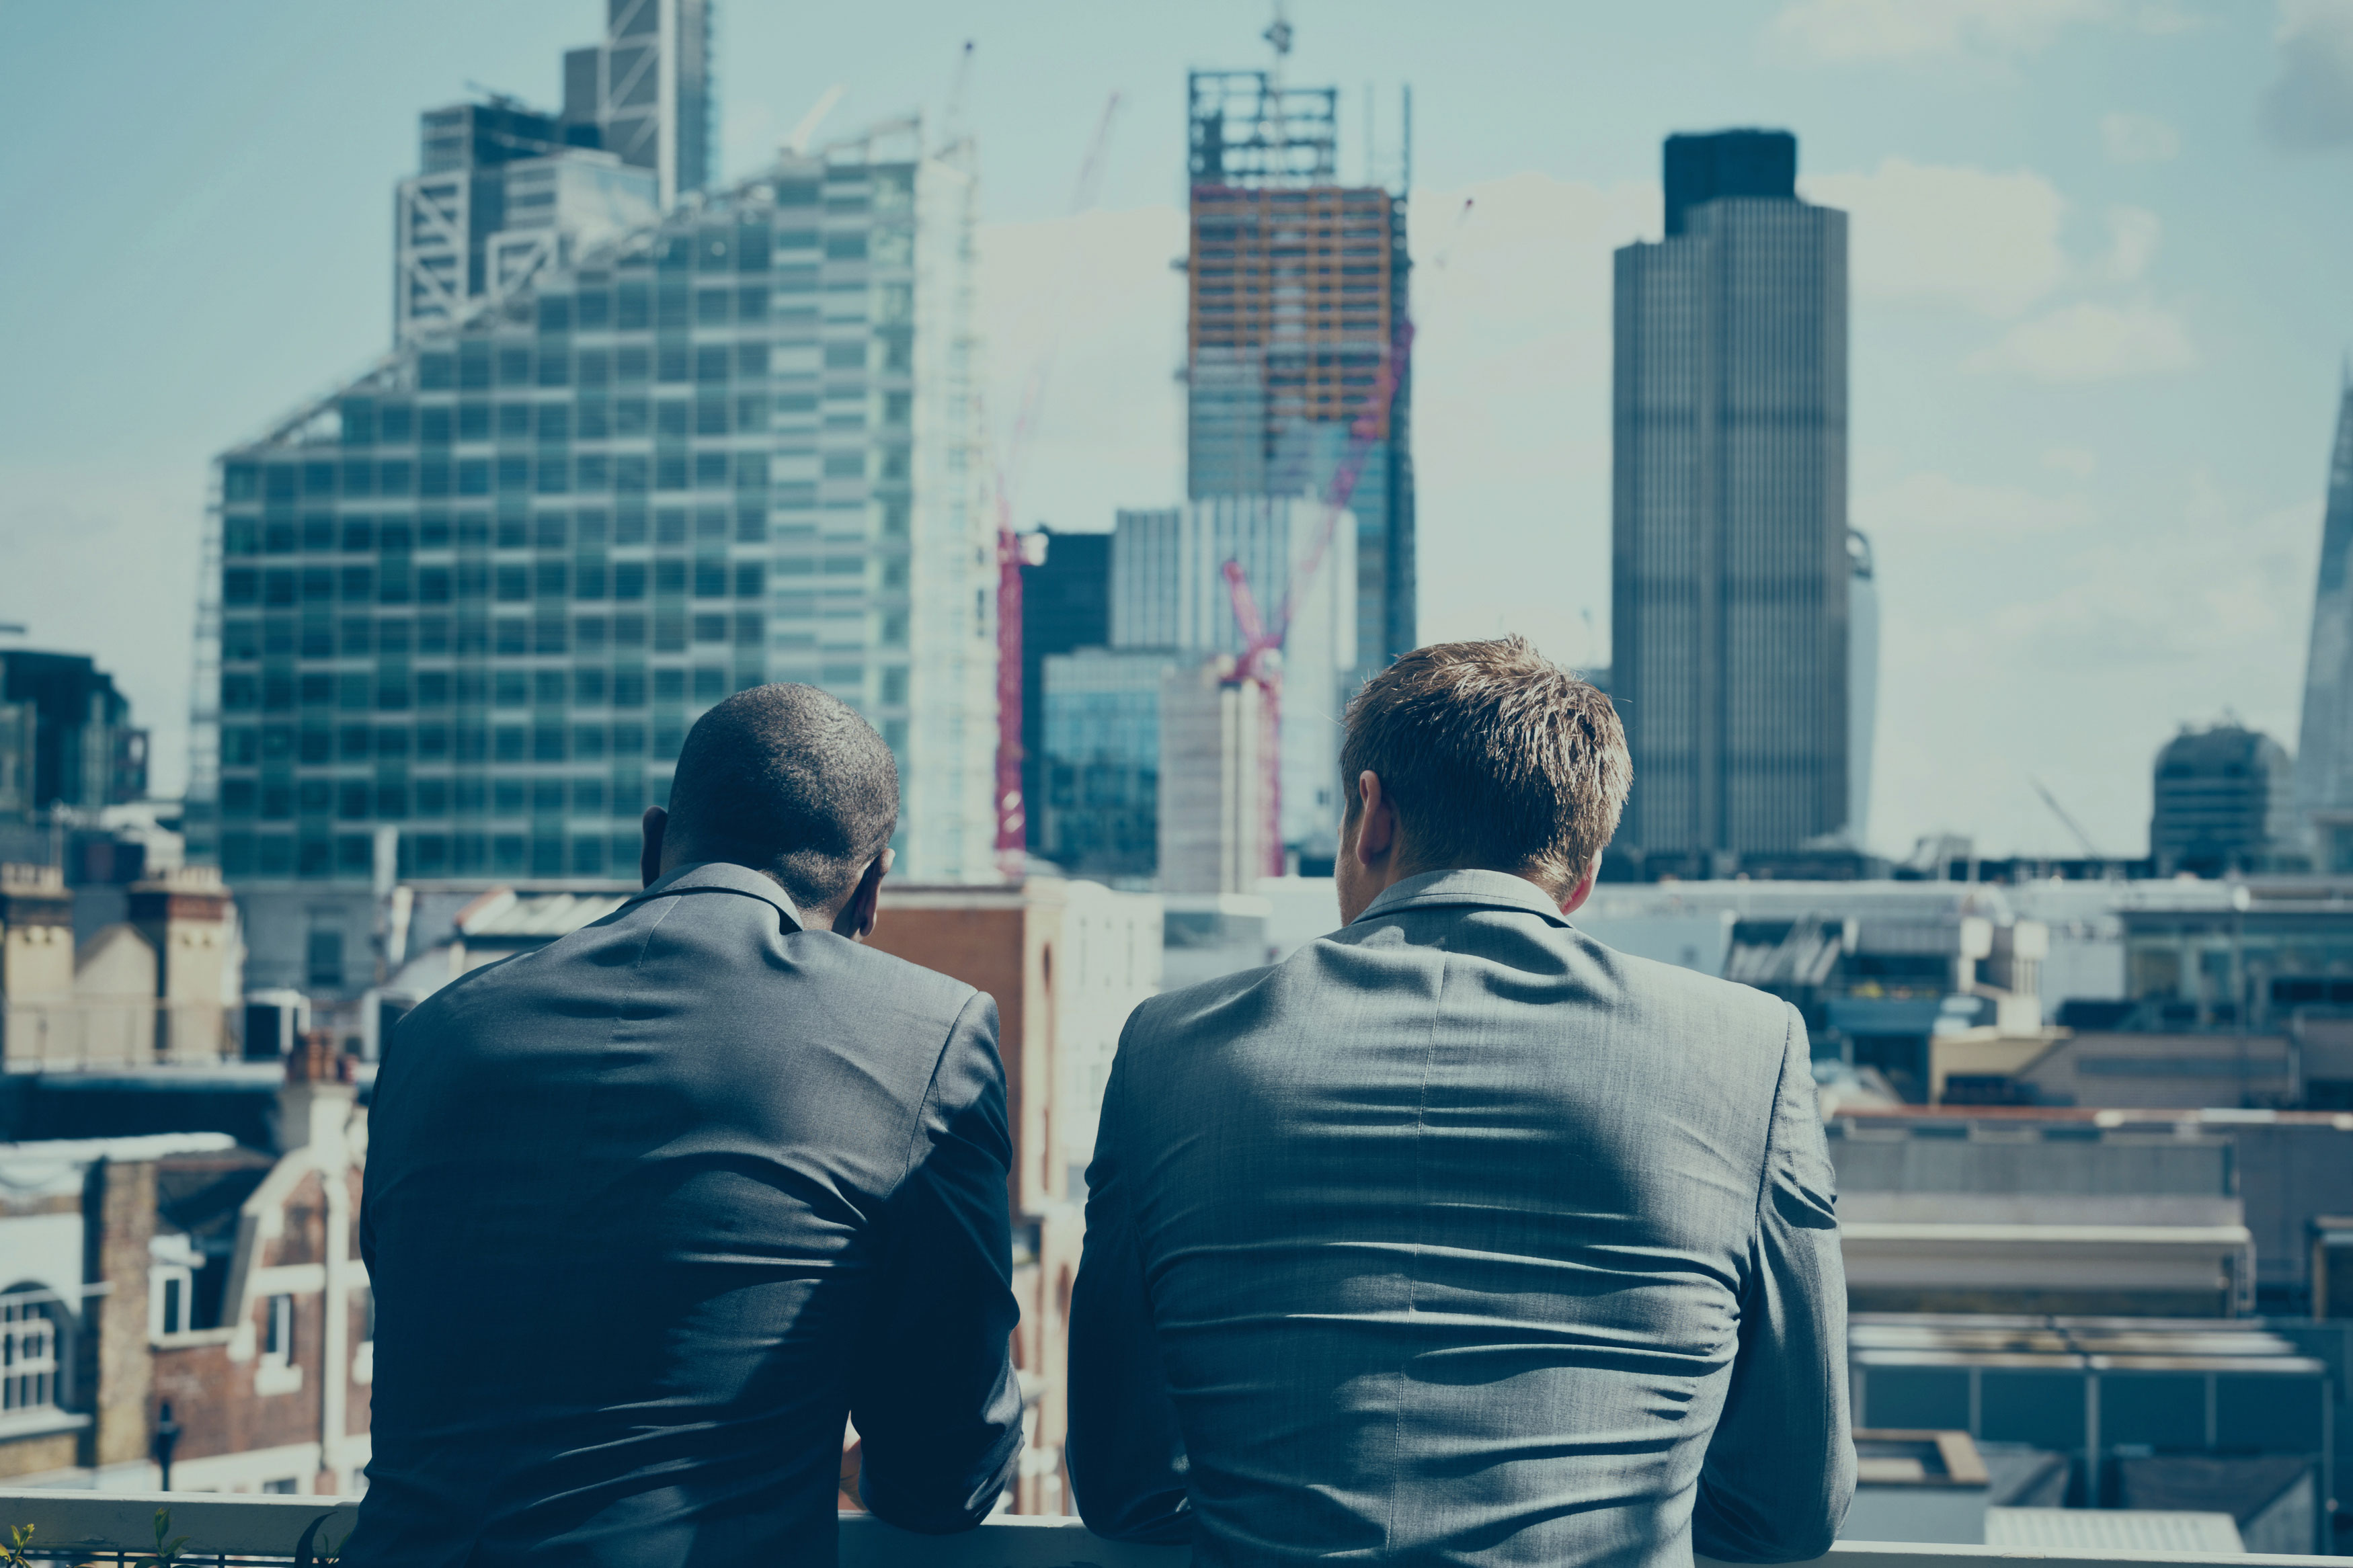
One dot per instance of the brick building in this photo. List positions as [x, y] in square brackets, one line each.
[183, 1282]
[1067, 963]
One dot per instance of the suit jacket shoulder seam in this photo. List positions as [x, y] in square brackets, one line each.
[931, 1091]
[1772, 1128]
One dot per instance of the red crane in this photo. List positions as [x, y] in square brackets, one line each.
[1011, 810]
[1262, 655]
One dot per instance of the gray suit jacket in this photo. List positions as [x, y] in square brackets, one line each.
[650, 1210]
[1459, 1238]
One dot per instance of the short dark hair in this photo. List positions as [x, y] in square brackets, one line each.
[1494, 756]
[792, 783]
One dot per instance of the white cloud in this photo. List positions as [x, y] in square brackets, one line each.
[1955, 234]
[2138, 139]
[2079, 462]
[2132, 243]
[1850, 31]
[2091, 341]
[2309, 104]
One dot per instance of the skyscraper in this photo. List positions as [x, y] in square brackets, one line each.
[499, 193]
[2221, 802]
[1168, 591]
[503, 190]
[465, 608]
[2324, 755]
[1296, 304]
[1861, 683]
[1730, 567]
[643, 94]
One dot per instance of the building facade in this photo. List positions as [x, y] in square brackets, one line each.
[2323, 753]
[1298, 338]
[1169, 591]
[1097, 811]
[184, 1286]
[1730, 565]
[644, 92]
[503, 190]
[1067, 963]
[66, 738]
[498, 195]
[467, 606]
[1065, 605]
[1862, 685]
[2224, 801]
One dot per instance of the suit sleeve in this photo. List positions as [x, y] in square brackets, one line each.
[934, 1395]
[1125, 1452]
[1779, 1471]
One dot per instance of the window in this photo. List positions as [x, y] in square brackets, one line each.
[170, 1300]
[278, 1336]
[28, 1355]
[325, 966]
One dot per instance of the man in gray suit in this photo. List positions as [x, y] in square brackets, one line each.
[649, 1211]
[1457, 1236]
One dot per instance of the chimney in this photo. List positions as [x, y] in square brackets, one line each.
[314, 1103]
[37, 958]
[184, 913]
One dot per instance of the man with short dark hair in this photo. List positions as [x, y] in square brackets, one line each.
[1457, 1236]
[649, 1212]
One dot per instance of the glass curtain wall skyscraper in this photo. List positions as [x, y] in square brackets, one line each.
[464, 609]
[1296, 302]
[1730, 565]
[2323, 756]
[503, 190]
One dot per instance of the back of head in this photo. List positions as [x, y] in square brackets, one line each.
[1494, 757]
[791, 783]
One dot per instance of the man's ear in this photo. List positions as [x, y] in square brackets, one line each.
[1584, 889]
[657, 826]
[1377, 820]
[857, 918]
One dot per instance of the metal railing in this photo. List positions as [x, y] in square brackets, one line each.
[252, 1532]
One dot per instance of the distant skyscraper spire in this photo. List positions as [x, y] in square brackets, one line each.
[2324, 762]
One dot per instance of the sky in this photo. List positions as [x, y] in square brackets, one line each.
[2100, 304]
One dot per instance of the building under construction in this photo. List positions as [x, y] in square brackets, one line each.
[1297, 302]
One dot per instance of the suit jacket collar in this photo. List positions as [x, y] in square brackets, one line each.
[725, 877]
[1488, 889]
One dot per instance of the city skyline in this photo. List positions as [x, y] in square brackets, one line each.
[2099, 200]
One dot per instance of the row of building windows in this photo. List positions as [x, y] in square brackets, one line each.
[351, 857]
[400, 800]
[559, 472]
[626, 687]
[282, 636]
[628, 473]
[663, 359]
[395, 690]
[583, 577]
[395, 533]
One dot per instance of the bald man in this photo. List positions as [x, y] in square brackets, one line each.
[651, 1211]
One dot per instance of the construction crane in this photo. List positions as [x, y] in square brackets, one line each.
[1260, 662]
[2082, 837]
[1014, 552]
[1262, 657]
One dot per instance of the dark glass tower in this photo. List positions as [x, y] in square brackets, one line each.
[1720, 163]
[1065, 605]
[1730, 567]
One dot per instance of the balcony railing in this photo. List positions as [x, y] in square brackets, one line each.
[105, 1528]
